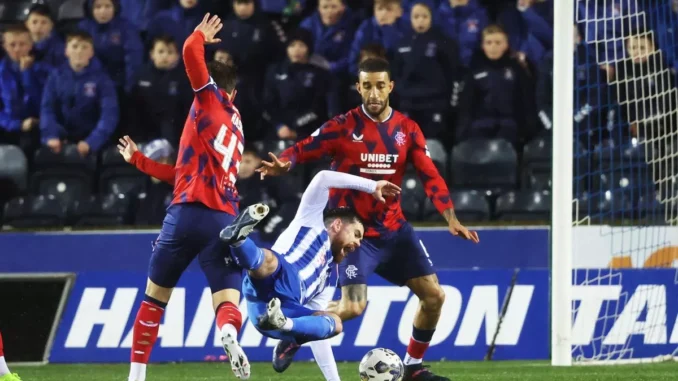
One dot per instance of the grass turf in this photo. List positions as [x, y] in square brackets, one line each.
[307, 371]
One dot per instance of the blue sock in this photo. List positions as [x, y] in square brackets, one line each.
[248, 255]
[312, 328]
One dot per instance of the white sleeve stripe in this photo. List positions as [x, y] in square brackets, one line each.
[211, 82]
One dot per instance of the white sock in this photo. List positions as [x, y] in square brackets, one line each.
[287, 326]
[229, 329]
[322, 351]
[411, 360]
[3, 366]
[137, 372]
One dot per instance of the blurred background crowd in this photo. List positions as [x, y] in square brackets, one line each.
[75, 75]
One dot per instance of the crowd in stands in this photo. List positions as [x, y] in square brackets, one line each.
[77, 74]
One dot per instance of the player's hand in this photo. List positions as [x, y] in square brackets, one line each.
[127, 147]
[83, 148]
[385, 189]
[28, 124]
[210, 27]
[275, 167]
[457, 229]
[54, 144]
[26, 62]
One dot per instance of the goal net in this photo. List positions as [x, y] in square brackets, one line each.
[624, 299]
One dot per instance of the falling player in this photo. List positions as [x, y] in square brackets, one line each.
[5, 375]
[377, 142]
[205, 199]
[281, 282]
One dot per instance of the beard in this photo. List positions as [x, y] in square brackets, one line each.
[370, 107]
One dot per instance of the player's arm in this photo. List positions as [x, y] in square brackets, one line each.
[194, 51]
[129, 151]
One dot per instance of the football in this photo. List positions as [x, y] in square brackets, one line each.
[381, 364]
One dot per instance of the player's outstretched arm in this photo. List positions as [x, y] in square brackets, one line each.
[129, 151]
[194, 50]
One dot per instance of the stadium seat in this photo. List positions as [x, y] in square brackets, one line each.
[484, 164]
[653, 212]
[603, 207]
[68, 158]
[537, 164]
[524, 206]
[438, 155]
[411, 205]
[411, 185]
[63, 175]
[430, 213]
[63, 188]
[34, 212]
[470, 206]
[13, 172]
[118, 176]
[100, 211]
[13, 11]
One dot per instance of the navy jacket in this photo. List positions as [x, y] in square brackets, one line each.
[79, 106]
[424, 68]
[604, 21]
[497, 95]
[369, 32]
[464, 25]
[299, 96]
[160, 102]
[176, 22]
[50, 51]
[20, 92]
[666, 20]
[140, 12]
[117, 45]
[531, 31]
[334, 42]
[277, 6]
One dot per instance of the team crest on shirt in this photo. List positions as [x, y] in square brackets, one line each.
[338, 37]
[431, 49]
[472, 25]
[400, 138]
[308, 81]
[256, 36]
[173, 88]
[90, 89]
[115, 38]
[508, 74]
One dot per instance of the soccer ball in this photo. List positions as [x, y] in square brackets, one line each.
[381, 364]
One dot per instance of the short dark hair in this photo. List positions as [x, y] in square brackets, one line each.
[164, 39]
[347, 215]
[41, 10]
[79, 35]
[16, 28]
[224, 74]
[375, 65]
[242, 1]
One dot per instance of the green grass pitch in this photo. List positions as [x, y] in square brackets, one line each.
[308, 371]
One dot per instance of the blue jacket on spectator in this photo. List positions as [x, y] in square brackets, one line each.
[117, 45]
[665, 17]
[177, 22]
[432, 4]
[464, 25]
[50, 51]
[387, 36]
[140, 12]
[20, 92]
[79, 106]
[530, 31]
[602, 19]
[334, 42]
[277, 6]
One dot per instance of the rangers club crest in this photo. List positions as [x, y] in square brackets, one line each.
[472, 25]
[90, 89]
[115, 38]
[400, 138]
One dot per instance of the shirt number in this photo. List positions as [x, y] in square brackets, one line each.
[227, 149]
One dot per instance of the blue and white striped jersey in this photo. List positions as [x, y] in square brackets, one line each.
[305, 244]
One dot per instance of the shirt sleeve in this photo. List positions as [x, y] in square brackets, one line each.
[434, 184]
[194, 61]
[323, 142]
[163, 172]
[317, 193]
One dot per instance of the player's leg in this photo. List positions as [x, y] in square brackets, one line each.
[5, 375]
[300, 323]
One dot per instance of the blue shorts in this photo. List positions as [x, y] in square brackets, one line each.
[397, 259]
[191, 230]
[291, 310]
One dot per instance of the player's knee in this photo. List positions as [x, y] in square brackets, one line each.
[338, 326]
[157, 292]
[434, 299]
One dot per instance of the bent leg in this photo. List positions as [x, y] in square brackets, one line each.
[260, 262]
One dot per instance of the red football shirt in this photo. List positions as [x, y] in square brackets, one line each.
[376, 150]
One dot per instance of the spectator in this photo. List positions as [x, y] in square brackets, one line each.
[463, 21]
[48, 47]
[333, 27]
[283, 10]
[161, 96]
[279, 193]
[79, 103]
[150, 202]
[497, 99]
[140, 12]
[666, 18]
[179, 21]
[116, 41]
[594, 114]
[21, 83]
[297, 95]
[254, 45]
[386, 28]
[223, 56]
[529, 24]
[424, 70]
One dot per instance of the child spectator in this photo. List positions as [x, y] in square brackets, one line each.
[497, 99]
[21, 83]
[387, 27]
[150, 203]
[161, 96]
[296, 93]
[179, 21]
[116, 41]
[463, 21]
[48, 47]
[140, 12]
[254, 45]
[529, 24]
[666, 19]
[424, 70]
[79, 103]
[223, 56]
[333, 27]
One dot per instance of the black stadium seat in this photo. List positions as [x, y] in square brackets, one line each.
[118, 176]
[65, 175]
[537, 164]
[524, 206]
[471, 206]
[34, 212]
[14, 10]
[438, 155]
[100, 211]
[412, 197]
[489, 164]
[430, 213]
[13, 172]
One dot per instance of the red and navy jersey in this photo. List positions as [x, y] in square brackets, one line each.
[375, 150]
[211, 145]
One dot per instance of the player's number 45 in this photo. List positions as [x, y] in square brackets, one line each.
[228, 149]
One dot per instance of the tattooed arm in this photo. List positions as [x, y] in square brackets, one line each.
[352, 304]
